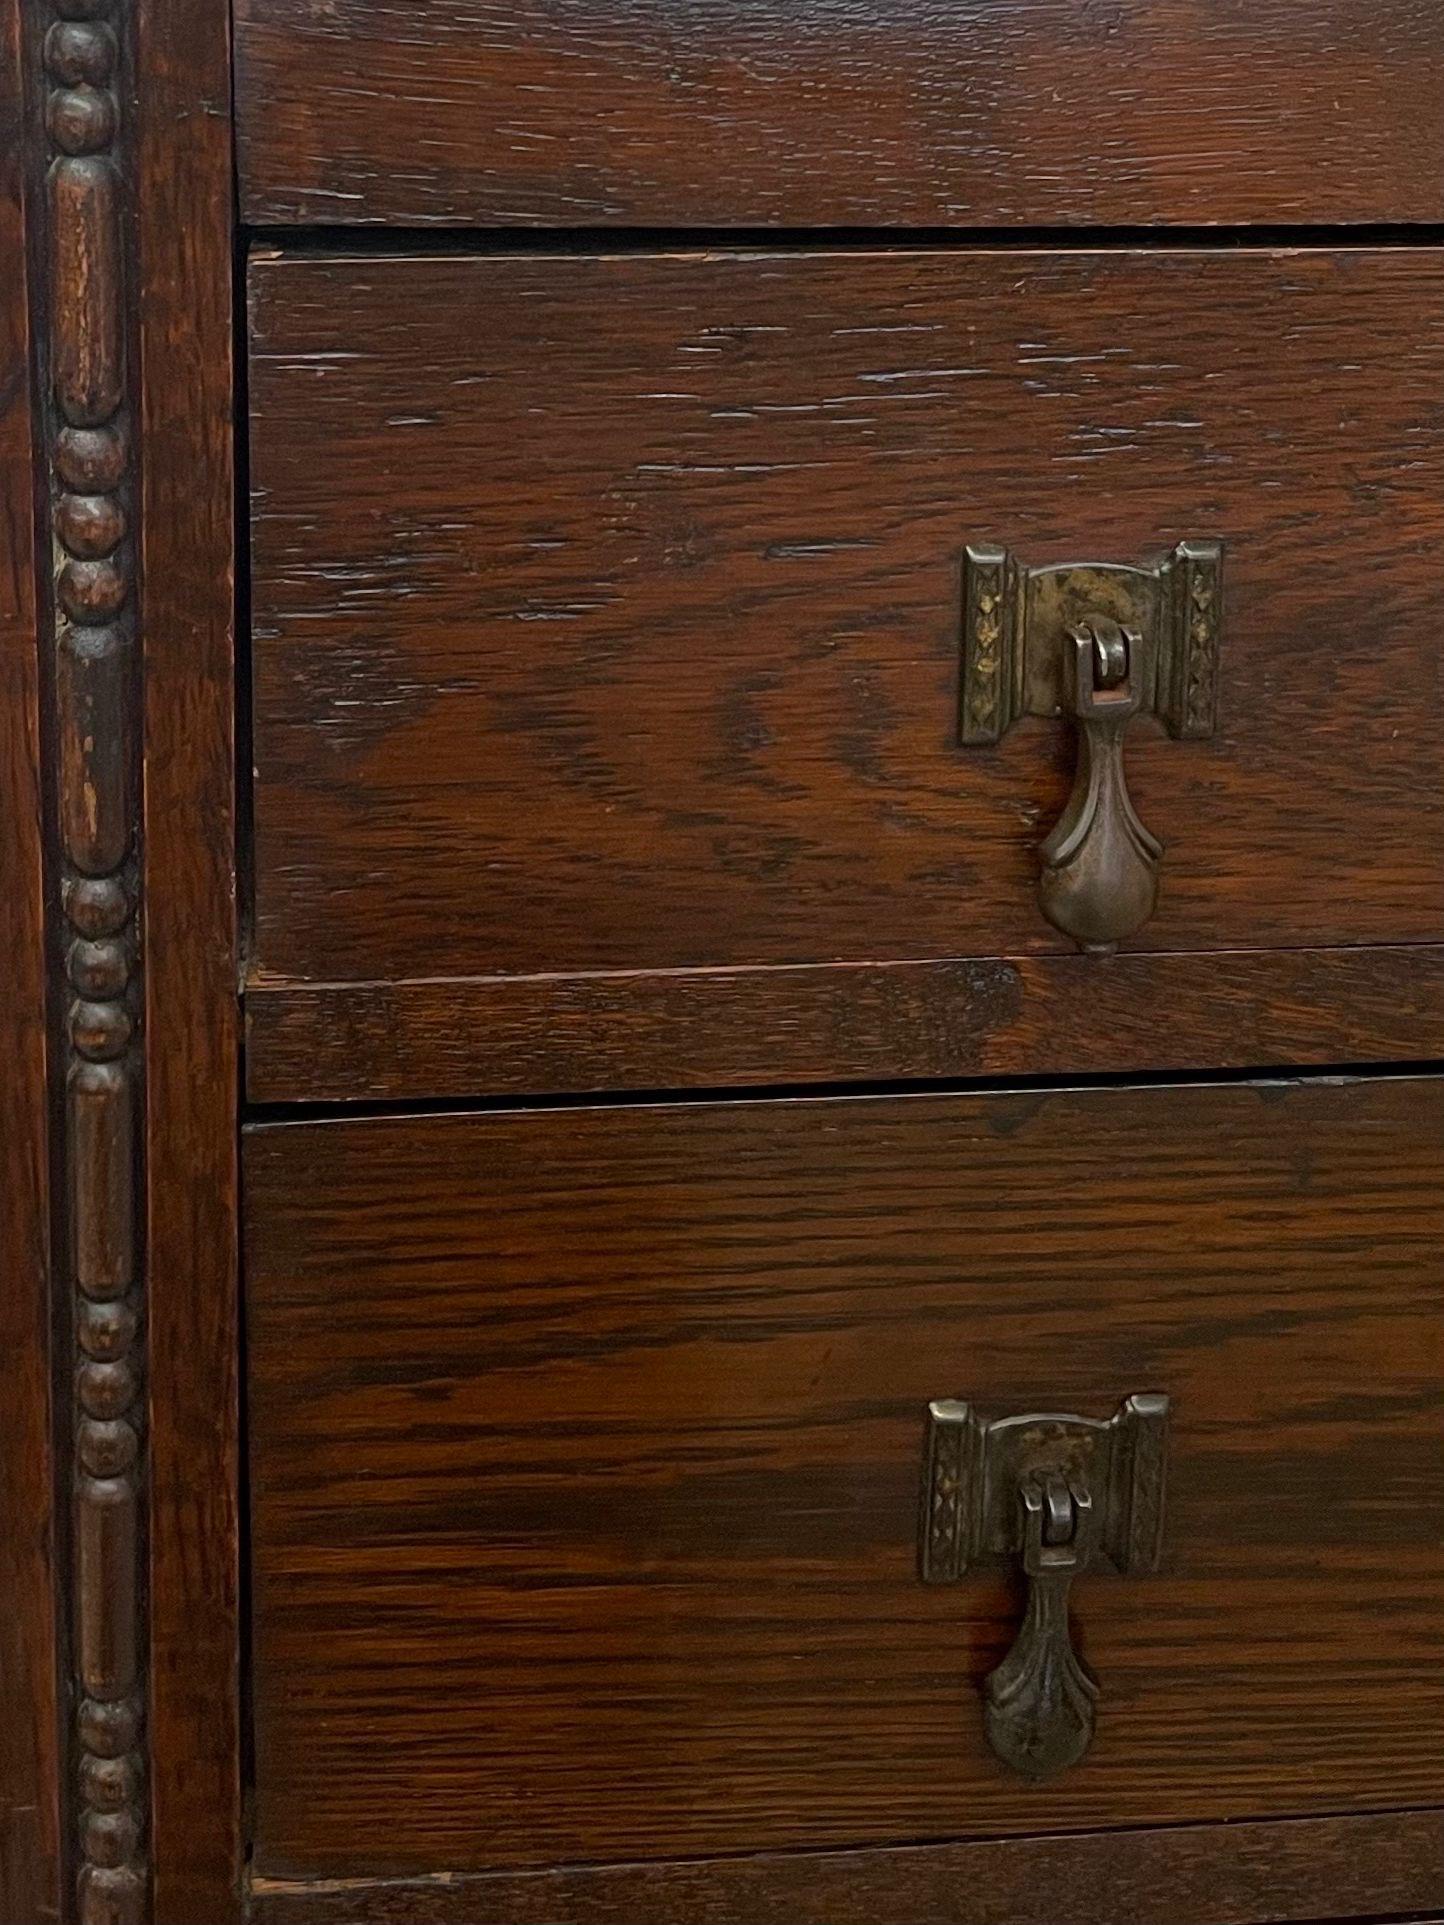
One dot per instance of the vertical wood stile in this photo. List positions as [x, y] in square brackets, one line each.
[91, 482]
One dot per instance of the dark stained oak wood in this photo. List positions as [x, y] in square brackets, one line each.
[720, 113]
[30, 1762]
[740, 1028]
[183, 215]
[586, 1447]
[606, 624]
[1202, 1875]
[606, 610]
[89, 640]
[118, 608]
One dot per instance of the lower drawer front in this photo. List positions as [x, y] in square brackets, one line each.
[588, 1447]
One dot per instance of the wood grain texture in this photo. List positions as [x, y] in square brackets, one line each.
[606, 610]
[743, 1028]
[183, 217]
[796, 112]
[586, 1447]
[91, 602]
[1201, 1875]
[30, 1754]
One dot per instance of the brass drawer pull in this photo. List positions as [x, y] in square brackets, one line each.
[1064, 1494]
[1098, 643]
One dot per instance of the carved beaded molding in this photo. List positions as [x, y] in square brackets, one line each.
[97, 808]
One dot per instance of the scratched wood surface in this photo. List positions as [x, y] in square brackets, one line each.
[586, 1449]
[722, 113]
[606, 609]
[1300, 1869]
[745, 1028]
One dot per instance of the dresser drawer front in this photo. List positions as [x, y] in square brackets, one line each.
[587, 1449]
[608, 611]
[811, 114]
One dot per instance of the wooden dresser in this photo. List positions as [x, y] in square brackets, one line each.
[722, 812]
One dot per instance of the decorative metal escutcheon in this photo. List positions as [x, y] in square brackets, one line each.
[1098, 642]
[1063, 1495]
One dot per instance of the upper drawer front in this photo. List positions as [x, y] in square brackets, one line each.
[588, 1447]
[607, 619]
[725, 113]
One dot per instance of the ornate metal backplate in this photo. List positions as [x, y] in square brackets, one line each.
[1016, 624]
[975, 1467]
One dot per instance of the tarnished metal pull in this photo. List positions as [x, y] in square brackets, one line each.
[1066, 1495]
[1038, 1704]
[1096, 643]
[1100, 865]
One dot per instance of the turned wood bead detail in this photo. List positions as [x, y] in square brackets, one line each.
[98, 812]
[91, 590]
[89, 526]
[96, 905]
[90, 457]
[79, 51]
[105, 1449]
[80, 120]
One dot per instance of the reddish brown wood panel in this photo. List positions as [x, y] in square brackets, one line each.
[586, 1455]
[606, 610]
[1307, 1869]
[183, 214]
[740, 1028]
[30, 1763]
[797, 112]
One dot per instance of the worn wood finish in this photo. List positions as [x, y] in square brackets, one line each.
[795, 112]
[1204, 1875]
[137, 327]
[31, 1876]
[91, 486]
[586, 1448]
[606, 610]
[117, 580]
[183, 214]
[741, 1028]
[607, 615]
